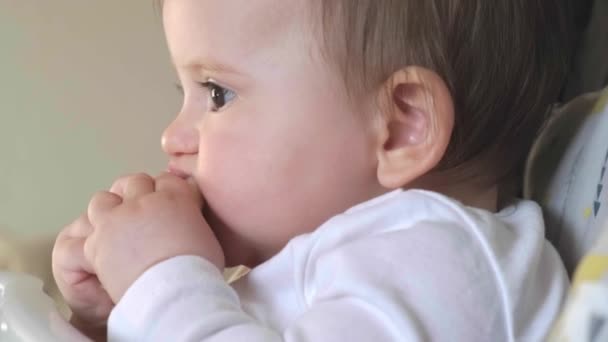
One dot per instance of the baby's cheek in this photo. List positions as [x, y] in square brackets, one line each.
[227, 177]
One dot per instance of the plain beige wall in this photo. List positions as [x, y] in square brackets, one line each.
[86, 89]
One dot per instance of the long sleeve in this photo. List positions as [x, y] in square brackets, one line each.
[186, 299]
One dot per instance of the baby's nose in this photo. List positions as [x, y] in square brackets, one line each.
[180, 138]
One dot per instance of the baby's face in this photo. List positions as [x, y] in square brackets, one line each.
[266, 128]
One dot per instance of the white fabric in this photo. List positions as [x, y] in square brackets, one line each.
[406, 266]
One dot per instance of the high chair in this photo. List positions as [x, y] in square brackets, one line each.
[567, 174]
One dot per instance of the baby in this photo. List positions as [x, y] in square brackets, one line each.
[358, 156]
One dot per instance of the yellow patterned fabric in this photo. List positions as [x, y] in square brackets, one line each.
[585, 316]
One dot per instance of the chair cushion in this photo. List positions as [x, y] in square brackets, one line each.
[567, 173]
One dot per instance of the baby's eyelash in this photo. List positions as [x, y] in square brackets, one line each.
[208, 84]
[179, 88]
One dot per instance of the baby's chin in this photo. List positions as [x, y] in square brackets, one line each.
[238, 255]
[236, 252]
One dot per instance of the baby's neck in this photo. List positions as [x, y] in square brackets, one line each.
[472, 195]
[486, 199]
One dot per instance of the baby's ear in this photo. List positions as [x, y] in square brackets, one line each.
[416, 126]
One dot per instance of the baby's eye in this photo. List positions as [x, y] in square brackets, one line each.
[218, 96]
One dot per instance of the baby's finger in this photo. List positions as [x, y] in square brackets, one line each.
[196, 191]
[137, 186]
[80, 228]
[180, 187]
[68, 254]
[121, 185]
[101, 204]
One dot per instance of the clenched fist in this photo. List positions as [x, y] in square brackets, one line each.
[140, 222]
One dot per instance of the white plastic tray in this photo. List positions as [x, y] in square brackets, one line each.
[27, 314]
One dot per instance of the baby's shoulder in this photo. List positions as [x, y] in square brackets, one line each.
[436, 239]
[443, 259]
[431, 220]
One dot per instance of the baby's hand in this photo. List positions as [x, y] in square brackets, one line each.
[75, 278]
[143, 221]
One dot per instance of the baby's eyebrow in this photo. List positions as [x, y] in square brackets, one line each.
[210, 66]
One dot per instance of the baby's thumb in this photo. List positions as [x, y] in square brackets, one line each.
[179, 186]
[196, 192]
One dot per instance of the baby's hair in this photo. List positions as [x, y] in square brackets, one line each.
[504, 62]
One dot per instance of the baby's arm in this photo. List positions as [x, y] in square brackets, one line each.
[187, 299]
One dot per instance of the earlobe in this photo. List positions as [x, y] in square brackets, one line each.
[416, 127]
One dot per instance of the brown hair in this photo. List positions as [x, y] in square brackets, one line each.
[504, 62]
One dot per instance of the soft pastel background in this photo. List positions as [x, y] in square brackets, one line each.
[86, 88]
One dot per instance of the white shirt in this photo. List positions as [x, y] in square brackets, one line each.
[406, 266]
